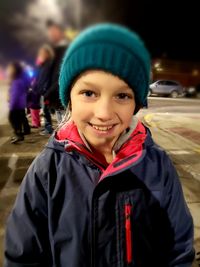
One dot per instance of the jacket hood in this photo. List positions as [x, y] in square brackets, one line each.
[129, 149]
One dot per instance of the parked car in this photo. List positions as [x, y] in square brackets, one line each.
[166, 88]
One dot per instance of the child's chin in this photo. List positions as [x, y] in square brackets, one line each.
[99, 141]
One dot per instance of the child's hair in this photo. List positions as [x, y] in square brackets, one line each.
[51, 23]
[18, 69]
[66, 118]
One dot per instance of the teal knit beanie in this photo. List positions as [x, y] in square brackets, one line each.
[111, 48]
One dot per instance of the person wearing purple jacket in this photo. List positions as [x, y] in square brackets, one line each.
[17, 101]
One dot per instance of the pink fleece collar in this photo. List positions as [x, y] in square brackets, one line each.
[128, 154]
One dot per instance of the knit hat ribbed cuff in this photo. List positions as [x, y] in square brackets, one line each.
[112, 55]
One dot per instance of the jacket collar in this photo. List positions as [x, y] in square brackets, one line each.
[127, 151]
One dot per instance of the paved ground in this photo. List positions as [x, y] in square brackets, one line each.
[14, 161]
[175, 125]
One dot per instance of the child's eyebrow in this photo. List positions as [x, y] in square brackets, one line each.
[89, 84]
[125, 87]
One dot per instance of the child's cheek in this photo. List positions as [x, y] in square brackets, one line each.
[79, 115]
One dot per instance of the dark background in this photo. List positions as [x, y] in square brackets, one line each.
[170, 29]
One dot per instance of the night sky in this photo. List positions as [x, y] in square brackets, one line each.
[169, 28]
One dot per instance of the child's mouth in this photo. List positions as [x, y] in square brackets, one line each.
[102, 128]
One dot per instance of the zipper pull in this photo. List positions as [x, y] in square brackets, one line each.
[128, 232]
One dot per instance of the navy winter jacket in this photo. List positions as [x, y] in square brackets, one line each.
[74, 211]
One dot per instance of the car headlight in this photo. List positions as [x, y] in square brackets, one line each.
[191, 89]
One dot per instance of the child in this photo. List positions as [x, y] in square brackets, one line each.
[33, 103]
[101, 193]
[17, 101]
[39, 87]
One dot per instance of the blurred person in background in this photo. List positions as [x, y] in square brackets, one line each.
[59, 43]
[39, 86]
[17, 101]
[33, 104]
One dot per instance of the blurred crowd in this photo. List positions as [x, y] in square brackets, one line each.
[37, 95]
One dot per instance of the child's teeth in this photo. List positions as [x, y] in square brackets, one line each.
[101, 128]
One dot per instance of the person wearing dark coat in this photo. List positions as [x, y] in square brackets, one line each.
[59, 44]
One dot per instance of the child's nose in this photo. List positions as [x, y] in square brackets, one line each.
[104, 110]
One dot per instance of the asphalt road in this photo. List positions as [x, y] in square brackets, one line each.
[177, 105]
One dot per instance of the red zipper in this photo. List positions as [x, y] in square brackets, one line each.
[128, 208]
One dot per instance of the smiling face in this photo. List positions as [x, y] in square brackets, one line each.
[102, 107]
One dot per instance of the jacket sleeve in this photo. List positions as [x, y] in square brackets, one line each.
[43, 80]
[182, 252]
[53, 88]
[27, 240]
[14, 94]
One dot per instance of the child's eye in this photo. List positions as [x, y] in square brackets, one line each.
[88, 93]
[124, 96]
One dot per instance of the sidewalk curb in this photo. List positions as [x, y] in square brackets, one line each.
[148, 120]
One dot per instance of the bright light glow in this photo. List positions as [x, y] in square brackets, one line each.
[195, 72]
[30, 73]
[157, 65]
[31, 25]
[159, 69]
[43, 9]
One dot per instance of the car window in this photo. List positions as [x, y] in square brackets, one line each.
[171, 83]
[161, 82]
